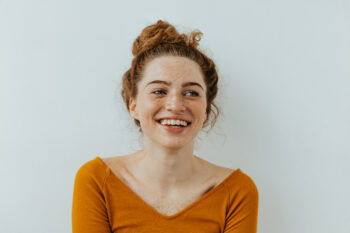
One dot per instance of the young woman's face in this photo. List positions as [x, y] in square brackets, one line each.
[171, 87]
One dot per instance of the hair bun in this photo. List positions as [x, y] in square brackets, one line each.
[161, 33]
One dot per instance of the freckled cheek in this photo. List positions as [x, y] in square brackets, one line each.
[153, 105]
[149, 108]
[198, 112]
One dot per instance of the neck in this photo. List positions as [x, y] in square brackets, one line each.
[165, 169]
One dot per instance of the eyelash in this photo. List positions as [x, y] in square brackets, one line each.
[188, 92]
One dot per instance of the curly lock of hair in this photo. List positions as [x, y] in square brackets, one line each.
[161, 39]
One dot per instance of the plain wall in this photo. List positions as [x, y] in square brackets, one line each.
[284, 91]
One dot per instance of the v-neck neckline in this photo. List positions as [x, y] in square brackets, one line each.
[180, 212]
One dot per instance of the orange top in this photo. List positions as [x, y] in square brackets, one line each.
[102, 203]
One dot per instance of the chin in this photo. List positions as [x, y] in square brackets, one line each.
[173, 144]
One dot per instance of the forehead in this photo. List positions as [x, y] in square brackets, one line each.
[172, 68]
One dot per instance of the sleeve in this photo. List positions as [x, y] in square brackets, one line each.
[242, 216]
[89, 212]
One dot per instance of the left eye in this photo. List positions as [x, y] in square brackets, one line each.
[196, 94]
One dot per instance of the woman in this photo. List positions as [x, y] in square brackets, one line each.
[169, 91]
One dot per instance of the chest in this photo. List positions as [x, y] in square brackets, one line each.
[176, 201]
[170, 204]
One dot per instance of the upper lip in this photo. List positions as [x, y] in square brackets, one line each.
[173, 118]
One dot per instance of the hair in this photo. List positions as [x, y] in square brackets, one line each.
[162, 39]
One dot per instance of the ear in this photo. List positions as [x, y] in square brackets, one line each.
[132, 108]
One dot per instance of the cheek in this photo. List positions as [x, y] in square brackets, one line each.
[148, 106]
[199, 110]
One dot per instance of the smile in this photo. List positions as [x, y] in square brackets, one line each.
[173, 128]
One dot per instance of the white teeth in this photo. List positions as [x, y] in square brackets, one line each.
[173, 122]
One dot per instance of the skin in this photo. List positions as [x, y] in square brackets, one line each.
[167, 161]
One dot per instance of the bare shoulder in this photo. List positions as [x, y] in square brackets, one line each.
[113, 159]
[116, 163]
[217, 172]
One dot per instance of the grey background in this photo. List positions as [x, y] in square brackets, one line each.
[284, 91]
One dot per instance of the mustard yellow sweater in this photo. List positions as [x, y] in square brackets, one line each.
[102, 203]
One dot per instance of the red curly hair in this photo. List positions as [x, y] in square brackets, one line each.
[162, 39]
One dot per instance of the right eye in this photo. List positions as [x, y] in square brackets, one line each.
[155, 92]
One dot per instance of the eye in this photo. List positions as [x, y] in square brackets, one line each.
[158, 91]
[196, 93]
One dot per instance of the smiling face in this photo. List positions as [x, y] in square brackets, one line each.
[171, 86]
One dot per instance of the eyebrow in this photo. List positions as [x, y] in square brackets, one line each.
[169, 83]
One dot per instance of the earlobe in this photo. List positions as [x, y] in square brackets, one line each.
[132, 109]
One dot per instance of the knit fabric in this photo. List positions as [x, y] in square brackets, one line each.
[102, 203]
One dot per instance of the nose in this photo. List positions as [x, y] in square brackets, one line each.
[175, 103]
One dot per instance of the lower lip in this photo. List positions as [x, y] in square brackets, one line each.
[173, 129]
